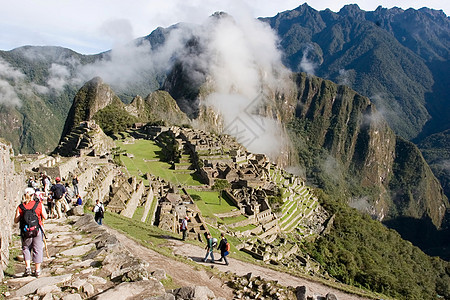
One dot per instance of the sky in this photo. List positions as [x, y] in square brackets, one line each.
[91, 27]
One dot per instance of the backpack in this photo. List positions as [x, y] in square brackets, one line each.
[29, 221]
[227, 246]
[99, 214]
[214, 242]
[58, 191]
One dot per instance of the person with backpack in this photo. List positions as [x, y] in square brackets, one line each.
[30, 214]
[79, 201]
[224, 248]
[58, 192]
[99, 211]
[184, 226]
[210, 244]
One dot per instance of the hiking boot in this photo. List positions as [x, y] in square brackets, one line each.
[27, 272]
[37, 273]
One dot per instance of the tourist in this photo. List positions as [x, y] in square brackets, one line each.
[45, 183]
[79, 200]
[31, 231]
[183, 227]
[99, 211]
[75, 185]
[58, 191]
[223, 247]
[209, 247]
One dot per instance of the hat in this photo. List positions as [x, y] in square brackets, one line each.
[28, 191]
[187, 218]
[57, 179]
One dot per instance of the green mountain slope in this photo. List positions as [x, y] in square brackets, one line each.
[387, 55]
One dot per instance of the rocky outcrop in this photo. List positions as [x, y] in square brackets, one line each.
[11, 189]
[92, 97]
[365, 152]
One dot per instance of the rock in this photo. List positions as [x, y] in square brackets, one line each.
[48, 296]
[302, 292]
[72, 297]
[331, 296]
[166, 296]
[32, 286]
[197, 293]
[77, 284]
[78, 251]
[96, 280]
[249, 276]
[88, 289]
[42, 291]
[133, 290]
[107, 241]
[77, 210]
[159, 274]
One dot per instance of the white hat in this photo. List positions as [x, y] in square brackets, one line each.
[28, 191]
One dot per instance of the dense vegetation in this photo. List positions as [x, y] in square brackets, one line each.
[113, 119]
[362, 252]
[358, 250]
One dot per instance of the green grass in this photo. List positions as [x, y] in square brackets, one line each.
[235, 219]
[245, 228]
[209, 203]
[138, 213]
[148, 150]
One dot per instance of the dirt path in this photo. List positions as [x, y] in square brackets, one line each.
[183, 274]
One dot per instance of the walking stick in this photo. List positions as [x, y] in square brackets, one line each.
[45, 241]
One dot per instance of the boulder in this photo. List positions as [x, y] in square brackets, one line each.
[133, 290]
[193, 292]
[331, 296]
[302, 292]
[159, 274]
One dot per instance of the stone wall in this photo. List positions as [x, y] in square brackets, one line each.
[134, 200]
[11, 188]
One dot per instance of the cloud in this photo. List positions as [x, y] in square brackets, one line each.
[243, 65]
[59, 75]
[8, 95]
[306, 65]
[118, 30]
[9, 75]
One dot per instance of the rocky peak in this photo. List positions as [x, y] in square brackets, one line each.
[92, 97]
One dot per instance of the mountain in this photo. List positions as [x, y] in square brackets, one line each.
[96, 101]
[340, 138]
[397, 58]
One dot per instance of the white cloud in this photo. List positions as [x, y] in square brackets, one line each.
[8, 95]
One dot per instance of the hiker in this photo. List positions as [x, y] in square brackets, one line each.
[58, 191]
[99, 211]
[183, 227]
[45, 183]
[210, 244]
[75, 185]
[79, 200]
[30, 214]
[224, 248]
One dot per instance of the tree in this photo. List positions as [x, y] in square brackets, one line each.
[220, 185]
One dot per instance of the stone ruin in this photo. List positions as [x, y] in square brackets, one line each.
[85, 139]
[253, 179]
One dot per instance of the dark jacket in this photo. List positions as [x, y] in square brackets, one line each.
[222, 245]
